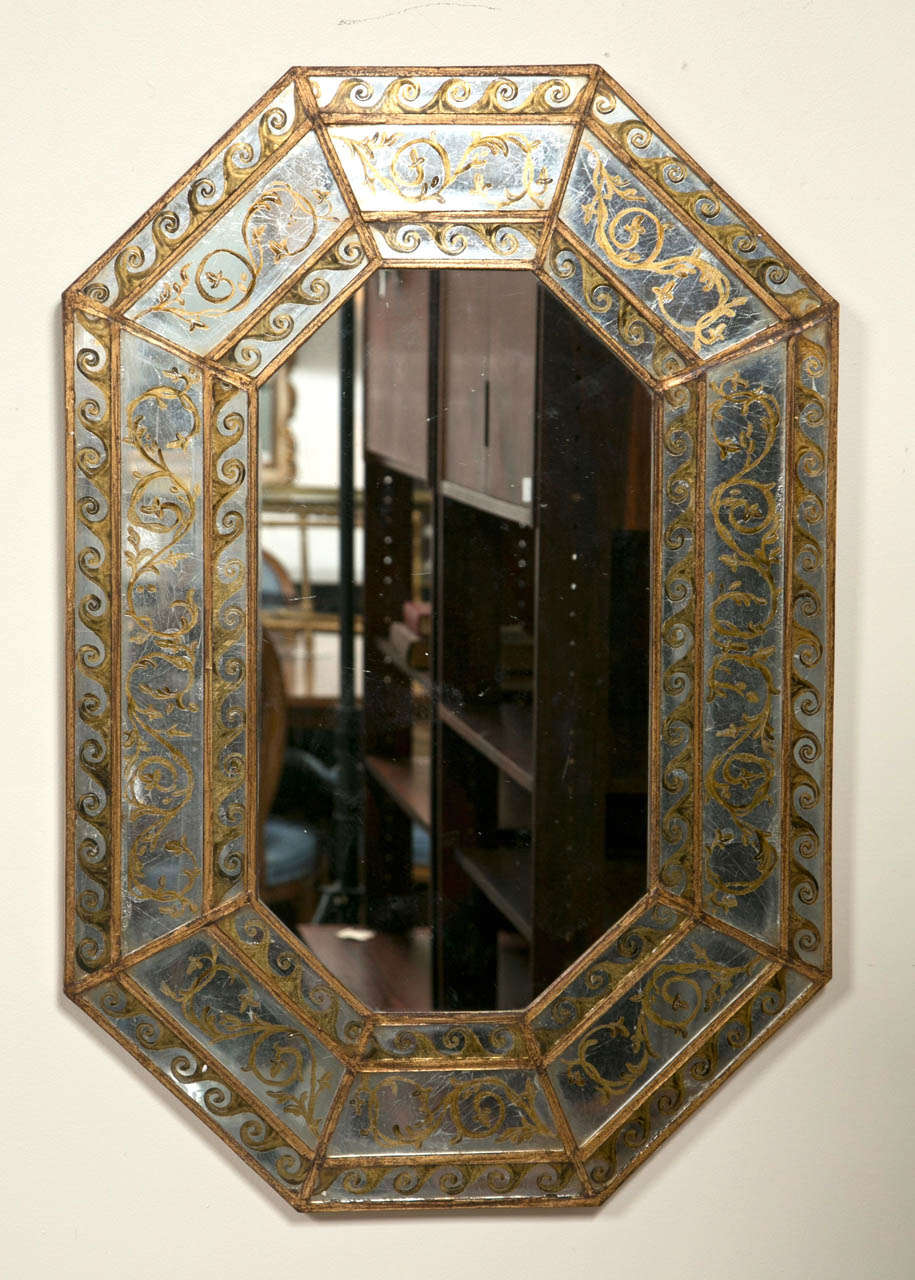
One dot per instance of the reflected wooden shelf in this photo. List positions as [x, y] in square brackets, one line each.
[408, 781]
[311, 668]
[386, 971]
[300, 618]
[414, 468]
[498, 395]
[504, 876]
[502, 733]
[518, 512]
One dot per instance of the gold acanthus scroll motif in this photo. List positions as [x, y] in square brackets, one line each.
[313, 997]
[454, 239]
[158, 777]
[735, 236]
[310, 288]
[448, 1180]
[187, 1067]
[229, 475]
[744, 423]
[675, 993]
[807, 647]
[602, 299]
[678, 635]
[281, 223]
[689, 1081]
[93, 656]
[632, 238]
[420, 168]
[599, 979]
[397, 1111]
[279, 1056]
[405, 94]
[134, 265]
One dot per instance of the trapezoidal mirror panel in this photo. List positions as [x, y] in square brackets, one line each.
[449, 566]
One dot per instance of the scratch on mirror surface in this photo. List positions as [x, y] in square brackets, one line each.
[411, 8]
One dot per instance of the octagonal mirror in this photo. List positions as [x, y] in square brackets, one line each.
[450, 566]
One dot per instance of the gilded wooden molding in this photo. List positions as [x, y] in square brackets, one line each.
[333, 173]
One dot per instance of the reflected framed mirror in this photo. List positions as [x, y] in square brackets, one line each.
[450, 568]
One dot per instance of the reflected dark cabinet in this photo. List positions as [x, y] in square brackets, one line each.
[512, 745]
[488, 371]
[397, 318]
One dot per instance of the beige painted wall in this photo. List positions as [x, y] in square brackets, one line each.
[796, 1169]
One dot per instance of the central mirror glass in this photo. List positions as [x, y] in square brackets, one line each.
[455, 511]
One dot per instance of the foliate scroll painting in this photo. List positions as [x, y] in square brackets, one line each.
[468, 168]
[687, 285]
[247, 253]
[454, 608]
[162, 622]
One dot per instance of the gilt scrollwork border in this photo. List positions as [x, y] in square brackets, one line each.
[332, 175]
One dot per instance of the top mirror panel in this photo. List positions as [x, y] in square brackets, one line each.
[455, 521]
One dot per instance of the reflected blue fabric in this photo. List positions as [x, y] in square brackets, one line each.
[290, 851]
[420, 845]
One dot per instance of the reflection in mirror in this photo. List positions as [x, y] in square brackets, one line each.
[455, 508]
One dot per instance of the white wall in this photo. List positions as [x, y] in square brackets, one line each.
[796, 1169]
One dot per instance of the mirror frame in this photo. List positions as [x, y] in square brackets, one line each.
[167, 338]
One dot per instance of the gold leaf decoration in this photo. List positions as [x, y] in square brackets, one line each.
[419, 168]
[404, 95]
[159, 682]
[92, 450]
[631, 237]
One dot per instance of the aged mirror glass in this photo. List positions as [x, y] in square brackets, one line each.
[450, 509]
[454, 600]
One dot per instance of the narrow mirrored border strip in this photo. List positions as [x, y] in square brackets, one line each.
[226, 674]
[427, 241]
[811, 504]
[297, 978]
[412, 1184]
[92, 607]
[387, 94]
[680, 604]
[439, 1041]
